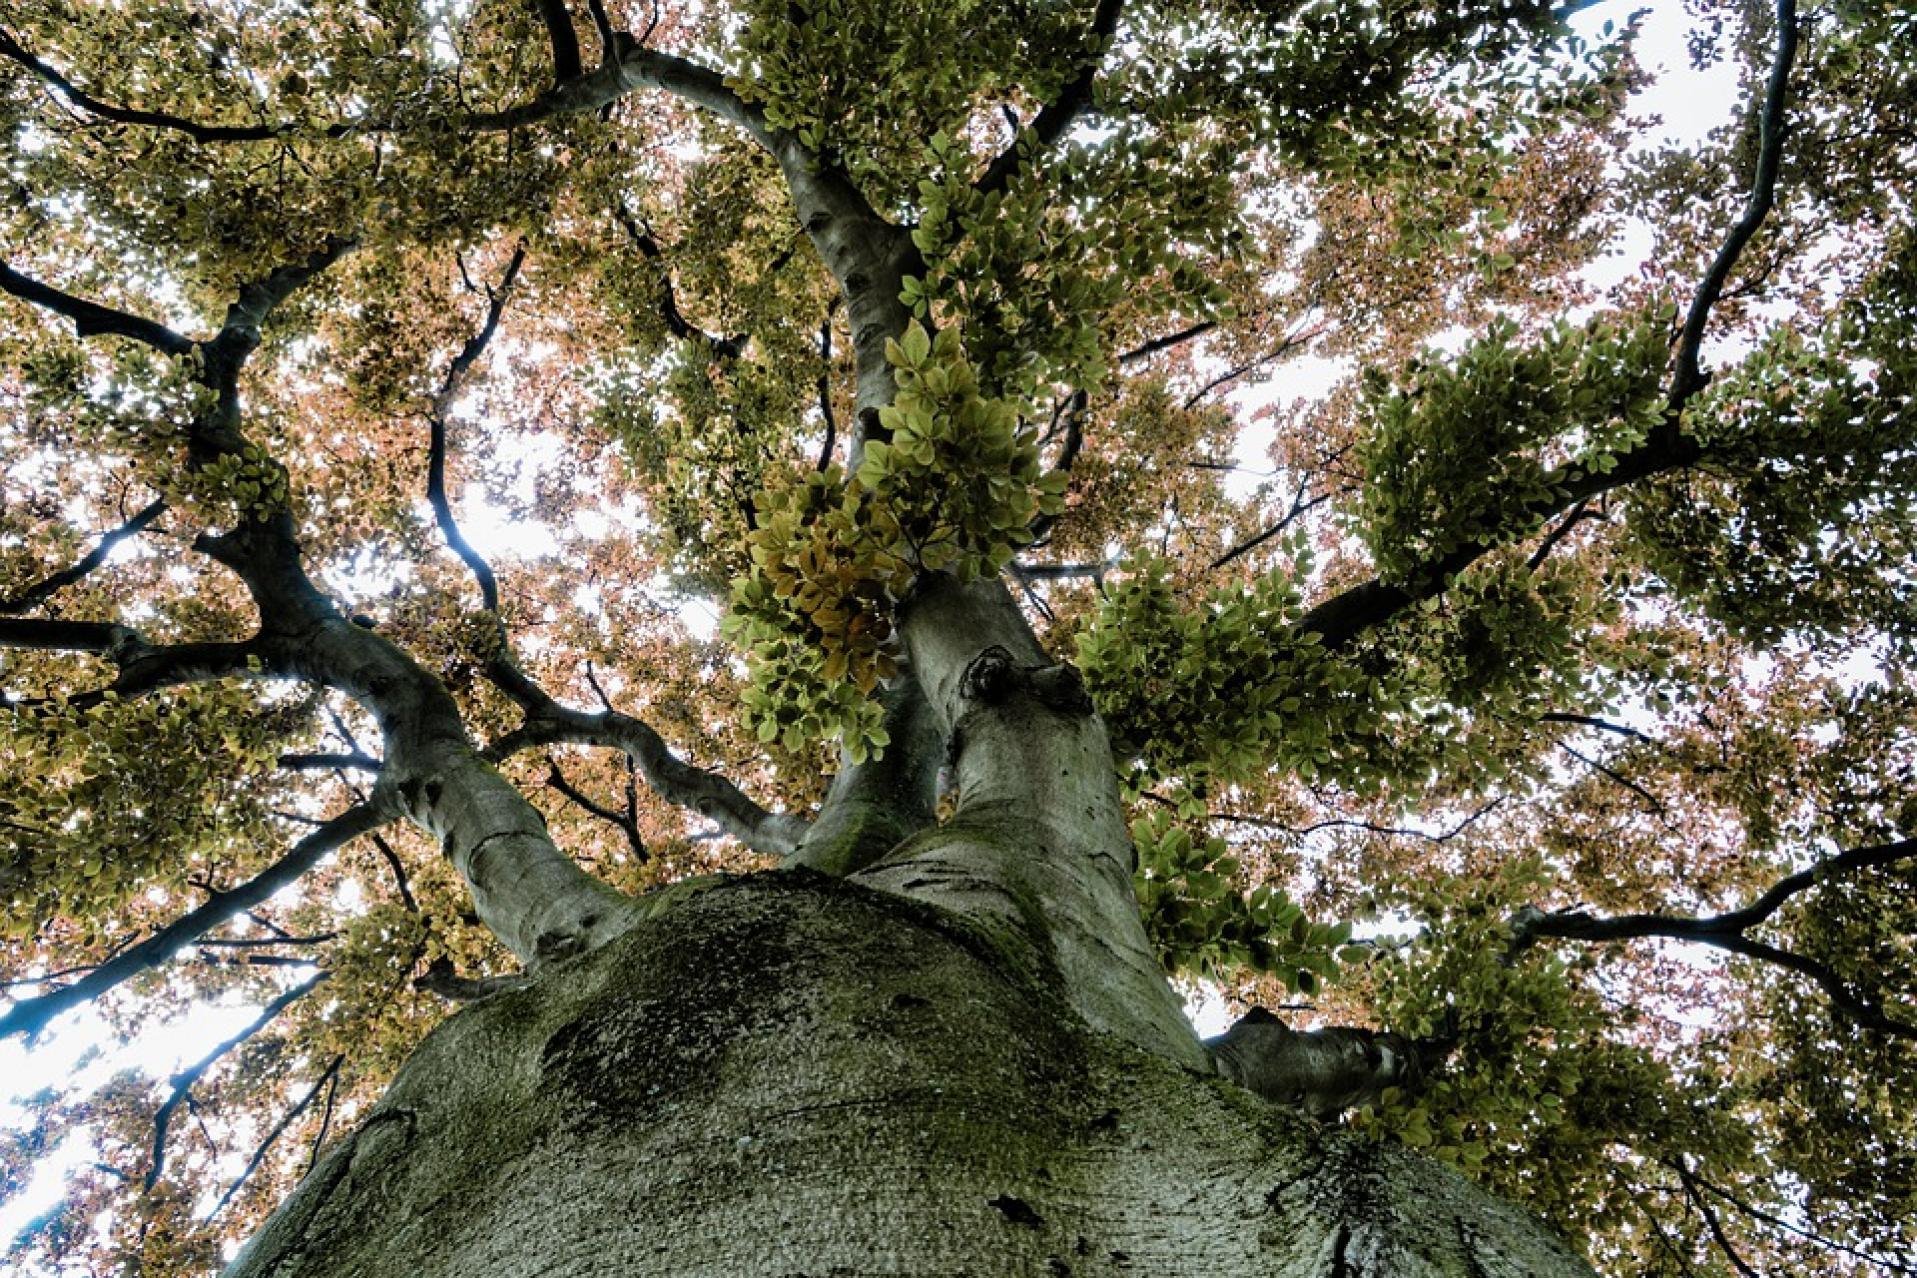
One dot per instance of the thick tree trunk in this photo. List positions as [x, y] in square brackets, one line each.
[792, 1074]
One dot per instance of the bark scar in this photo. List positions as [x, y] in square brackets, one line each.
[989, 677]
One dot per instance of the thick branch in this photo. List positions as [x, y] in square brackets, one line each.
[31, 1015]
[634, 67]
[43, 635]
[90, 319]
[672, 778]
[143, 667]
[565, 41]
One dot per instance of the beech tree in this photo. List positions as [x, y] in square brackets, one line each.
[717, 612]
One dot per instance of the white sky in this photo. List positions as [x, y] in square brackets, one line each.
[79, 1051]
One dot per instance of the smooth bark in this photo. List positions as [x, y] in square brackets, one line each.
[794, 1075]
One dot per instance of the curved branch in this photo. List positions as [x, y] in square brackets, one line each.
[1689, 379]
[671, 778]
[722, 349]
[1887, 1264]
[1057, 116]
[31, 1015]
[1344, 616]
[12, 50]
[633, 67]
[1727, 931]
[184, 1080]
[441, 407]
[1709, 1214]
[47, 587]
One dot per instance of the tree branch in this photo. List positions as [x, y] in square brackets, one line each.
[1711, 1221]
[1341, 618]
[1148, 349]
[825, 388]
[622, 820]
[1885, 1263]
[723, 349]
[565, 41]
[1299, 507]
[330, 762]
[1572, 518]
[1601, 725]
[1689, 378]
[31, 1015]
[1727, 931]
[1073, 422]
[184, 1080]
[286, 1120]
[90, 319]
[443, 979]
[42, 635]
[12, 50]
[672, 778]
[47, 587]
[1057, 116]
[440, 409]
[1650, 801]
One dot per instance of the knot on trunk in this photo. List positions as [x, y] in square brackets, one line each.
[990, 678]
[1321, 1072]
[993, 677]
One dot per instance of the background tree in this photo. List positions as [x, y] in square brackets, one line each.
[1531, 725]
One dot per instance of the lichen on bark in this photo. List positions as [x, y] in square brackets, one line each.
[789, 1074]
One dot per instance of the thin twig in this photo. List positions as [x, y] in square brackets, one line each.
[184, 1080]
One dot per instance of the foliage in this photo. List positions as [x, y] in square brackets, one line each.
[953, 487]
[1309, 370]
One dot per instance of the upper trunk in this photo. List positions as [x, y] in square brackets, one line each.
[792, 1075]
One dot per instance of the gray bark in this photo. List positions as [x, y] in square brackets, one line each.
[795, 1075]
[874, 805]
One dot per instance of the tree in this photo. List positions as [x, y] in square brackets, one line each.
[922, 343]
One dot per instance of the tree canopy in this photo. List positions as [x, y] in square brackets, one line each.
[464, 463]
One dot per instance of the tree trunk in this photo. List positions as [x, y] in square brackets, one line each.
[796, 1075]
